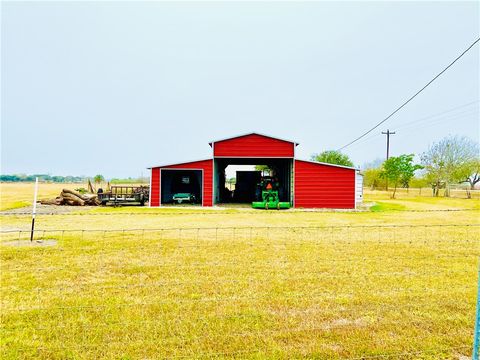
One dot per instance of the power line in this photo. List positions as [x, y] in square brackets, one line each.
[449, 115]
[444, 114]
[412, 97]
[429, 122]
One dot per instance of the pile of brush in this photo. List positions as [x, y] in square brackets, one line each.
[73, 198]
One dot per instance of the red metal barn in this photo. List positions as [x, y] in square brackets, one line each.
[305, 184]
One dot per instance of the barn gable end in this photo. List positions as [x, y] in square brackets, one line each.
[254, 146]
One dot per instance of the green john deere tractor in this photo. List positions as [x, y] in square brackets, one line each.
[269, 192]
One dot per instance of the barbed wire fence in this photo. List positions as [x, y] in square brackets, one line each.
[346, 292]
[177, 210]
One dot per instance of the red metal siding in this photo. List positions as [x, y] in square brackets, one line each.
[205, 165]
[253, 145]
[323, 186]
[155, 188]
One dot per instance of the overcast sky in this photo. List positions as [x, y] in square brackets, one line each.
[115, 87]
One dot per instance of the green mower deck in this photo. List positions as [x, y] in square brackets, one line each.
[270, 205]
[270, 201]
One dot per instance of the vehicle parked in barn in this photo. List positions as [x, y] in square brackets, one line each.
[268, 187]
[180, 198]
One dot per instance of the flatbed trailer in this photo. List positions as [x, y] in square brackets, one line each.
[124, 195]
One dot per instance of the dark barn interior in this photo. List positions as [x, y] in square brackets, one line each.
[246, 187]
[181, 181]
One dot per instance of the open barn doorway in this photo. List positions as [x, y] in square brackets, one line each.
[240, 183]
[237, 180]
[181, 186]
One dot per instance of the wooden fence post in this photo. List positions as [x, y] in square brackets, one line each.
[34, 209]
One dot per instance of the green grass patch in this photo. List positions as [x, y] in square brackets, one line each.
[14, 205]
[383, 206]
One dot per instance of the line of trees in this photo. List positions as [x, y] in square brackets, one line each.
[42, 177]
[97, 179]
[451, 161]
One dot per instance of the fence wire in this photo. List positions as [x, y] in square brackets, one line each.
[174, 211]
[336, 292]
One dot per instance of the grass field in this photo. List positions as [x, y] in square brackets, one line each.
[16, 195]
[395, 282]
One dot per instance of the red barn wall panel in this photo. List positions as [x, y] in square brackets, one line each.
[253, 145]
[205, 165]
[155, 187]
[323, 186]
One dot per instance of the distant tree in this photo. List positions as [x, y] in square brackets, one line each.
[449, 161]
[333, 157]
[374, 164]
[372, 178]
[419, 182]
[97, 179]
[9, 178]
[471, 172]
[399, 170]
[58, 179]
[262, 167]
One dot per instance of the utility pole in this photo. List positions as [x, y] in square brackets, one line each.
[388, 133]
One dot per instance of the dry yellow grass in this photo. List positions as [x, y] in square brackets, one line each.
[16, 195]
[300, 289]
[403, 193]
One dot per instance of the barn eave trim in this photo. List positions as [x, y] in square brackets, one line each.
[179, 163]
[253, 133]
[327, 164]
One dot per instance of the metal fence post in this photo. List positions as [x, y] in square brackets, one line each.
[476, 334]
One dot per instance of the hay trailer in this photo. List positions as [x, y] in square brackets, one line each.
[124, 195]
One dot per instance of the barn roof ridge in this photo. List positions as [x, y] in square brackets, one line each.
[253, 133]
